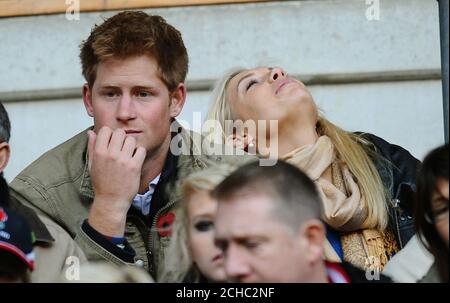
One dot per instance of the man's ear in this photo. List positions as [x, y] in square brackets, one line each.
[4, 155]
[177, 99]
[87, 100]
[313, 235]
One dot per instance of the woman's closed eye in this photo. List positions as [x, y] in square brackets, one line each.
[204, 225]
[250, 84]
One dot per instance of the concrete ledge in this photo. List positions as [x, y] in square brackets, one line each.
[206, 85]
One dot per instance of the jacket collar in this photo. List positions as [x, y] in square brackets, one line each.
[41, 233]
[86, 188]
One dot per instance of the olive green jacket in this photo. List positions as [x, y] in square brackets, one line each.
[58, 185]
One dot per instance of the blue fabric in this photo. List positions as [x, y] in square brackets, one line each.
[334, 238]
[117, 240]
[143, 202]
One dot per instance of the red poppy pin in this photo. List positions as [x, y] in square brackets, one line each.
[3, 215]
[164, 224]
[3, 218]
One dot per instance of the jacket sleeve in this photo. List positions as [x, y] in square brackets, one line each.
[56, 260]
[405, 166]
[55, 250]
[30, 193]
[404, 169]
[105, 247]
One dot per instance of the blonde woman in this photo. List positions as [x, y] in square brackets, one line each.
[194, 257]
[366, 184]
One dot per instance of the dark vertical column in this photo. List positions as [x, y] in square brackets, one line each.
[443, 21]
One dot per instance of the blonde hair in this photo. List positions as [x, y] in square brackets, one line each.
[351, 149]
[219, 109]
[178, 259]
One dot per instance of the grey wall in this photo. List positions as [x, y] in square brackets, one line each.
[377, 76]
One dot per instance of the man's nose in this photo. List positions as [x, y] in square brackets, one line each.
[126, 110]
[276, 73]
[236, 266]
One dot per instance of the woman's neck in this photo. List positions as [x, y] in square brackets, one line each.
[291, 138]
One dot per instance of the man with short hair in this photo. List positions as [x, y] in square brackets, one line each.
[5, 134]
[16, 251]
[114, 186]
[53, 246]
[268, 225]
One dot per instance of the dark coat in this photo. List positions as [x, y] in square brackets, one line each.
[398, 175]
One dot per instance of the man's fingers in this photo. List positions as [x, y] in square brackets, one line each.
[117, 141]
[139, 156]
[91, 144]
[129, 146]
[107, 143]
[103, 138]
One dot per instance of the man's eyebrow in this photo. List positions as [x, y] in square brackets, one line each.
[244, 238]
[143, 87]
[139, 86]
[108, 86]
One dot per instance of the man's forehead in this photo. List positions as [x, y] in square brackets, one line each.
[128, 79]
[246, 200]
[237, 231]
[243, 215]
[146, 64]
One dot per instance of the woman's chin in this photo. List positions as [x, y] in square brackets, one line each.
[219, 276]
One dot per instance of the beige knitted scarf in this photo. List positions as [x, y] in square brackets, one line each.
[344, 207]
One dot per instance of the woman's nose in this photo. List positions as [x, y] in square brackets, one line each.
[276, 73]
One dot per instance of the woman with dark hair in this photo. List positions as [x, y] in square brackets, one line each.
[431, 211]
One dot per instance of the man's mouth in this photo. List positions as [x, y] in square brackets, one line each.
[132, 131]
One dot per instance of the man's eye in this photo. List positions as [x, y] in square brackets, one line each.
[111, 94]
[251, 244]
[143, 94]
[204, 226]
[250, 84]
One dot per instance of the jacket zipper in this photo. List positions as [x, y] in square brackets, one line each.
[396, 205]
[142, 229]
[152, 228]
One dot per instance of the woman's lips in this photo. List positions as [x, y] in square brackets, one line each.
[217, 258]
[282, 84]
